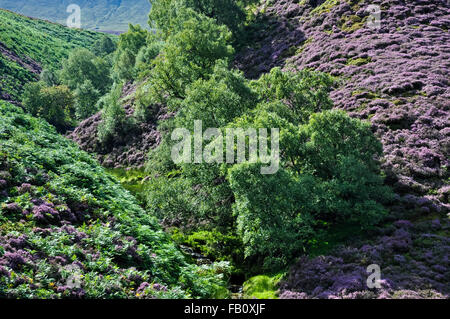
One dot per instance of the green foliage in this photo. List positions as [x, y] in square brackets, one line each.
[115, 123]
[262, 286]
[146, 55]
[49, 77]
[324, 7]
[86, 99]
[172, 200]
[212, 244]
[134, 39]
[328, 175]
[130, 44]
[329, 178]
[104, 46]
[46, 43]
[333, 136]
[187, 56]
[359, 61]
[165, 14]
[124, 65]
[31, 97]
[54, 104]
[304, 92]
[266, 210]
[217, 100]
[61, 175]
[81, 66]
[14, 77]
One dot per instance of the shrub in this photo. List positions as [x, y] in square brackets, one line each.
[129, 46]
[217, 100]
[54, 104]
[124, 65]
[166, 14]
[188, 55]
[332, 179]
[49, 77]
[304, 92]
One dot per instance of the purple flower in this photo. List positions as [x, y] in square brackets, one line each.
[25, 188]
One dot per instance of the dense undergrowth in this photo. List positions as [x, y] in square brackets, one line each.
[62, 215]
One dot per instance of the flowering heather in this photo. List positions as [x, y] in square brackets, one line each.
[395, 76]
[25, 188]
[70, 230]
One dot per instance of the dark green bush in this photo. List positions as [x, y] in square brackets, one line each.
[54, 104]
[115, 123]
[104, 46]
[81, 66]
[86, 97]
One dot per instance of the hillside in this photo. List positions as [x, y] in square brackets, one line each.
[396, 77]
[130, 150]
[105, 15]
[62, 218]
[29, 45]
[383, 77]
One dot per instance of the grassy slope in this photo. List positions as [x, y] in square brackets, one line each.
[43, 42]
[111, 15]
[59, 209]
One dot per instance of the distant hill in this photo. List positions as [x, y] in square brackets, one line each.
[101, 15]
[28, 45]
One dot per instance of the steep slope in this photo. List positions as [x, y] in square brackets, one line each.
[396, 76]
[67, 229]
[29, 45]
[104, 15]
